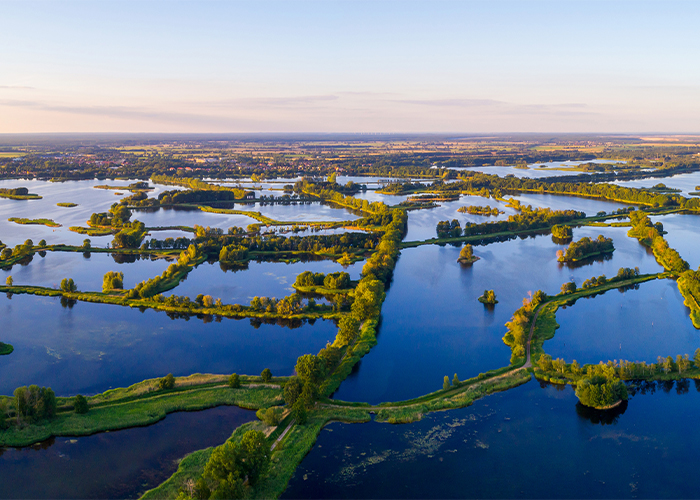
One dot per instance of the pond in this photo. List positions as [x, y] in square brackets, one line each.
[637, 325]
[432, 324]
[528, 442]
[90, 348]
[118, 464]
[86, 270]
[262, 279]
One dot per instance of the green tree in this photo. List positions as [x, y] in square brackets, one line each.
[234, 381]
[266, 375]
[292, 390]
[446, 383]
[9, 281]
[455, 380]
[80, 404]
[68, 285]
[167, 382]
[229, 488]
[310, 367]
[299, 412]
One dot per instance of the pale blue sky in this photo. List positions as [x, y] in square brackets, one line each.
[349, 66]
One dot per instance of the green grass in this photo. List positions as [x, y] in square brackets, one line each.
[66, 205]
[38, 222]
[132, 407]
[92, 231]
[689, 301]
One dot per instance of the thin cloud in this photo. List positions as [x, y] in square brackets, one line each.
[16, 87]
[124, 112]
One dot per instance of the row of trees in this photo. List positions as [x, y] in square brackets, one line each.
[538, 218]
[479, 210]
[649, 235]
[519, 325]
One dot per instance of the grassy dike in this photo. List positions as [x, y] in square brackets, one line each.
[120, 300]
[143, 404]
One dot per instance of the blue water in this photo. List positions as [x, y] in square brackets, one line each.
[90, 348]
[529, 442]
[120, 464]
[432, 325]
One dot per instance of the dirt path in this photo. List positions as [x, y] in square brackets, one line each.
[277, 441]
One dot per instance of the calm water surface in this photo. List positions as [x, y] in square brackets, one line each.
[120, 464]
[528, 442]
[93, 347]
[683, 235]
[637, 325]
[262, 279]
[432, 324]
[90, 200]
[87, 270]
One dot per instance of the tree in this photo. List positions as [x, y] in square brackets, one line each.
[446, 383]
[455, 380]
[292, 391]
[266, 375]
[86, 244]
[257, 455]
[167, 382]
[569, 287]
[68, 285]
[80, 404]
[229, 488]
[9, 281]
[299, 412]
[270, 417]
[21, 396]
[113, 280]
[696, 358]
[310, 367]
[234, 381]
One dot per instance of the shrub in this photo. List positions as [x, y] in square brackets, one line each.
[80, 404]
[167, 382]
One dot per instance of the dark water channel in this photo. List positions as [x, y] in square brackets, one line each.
[93, 347]
[528, 442]
[119, 464]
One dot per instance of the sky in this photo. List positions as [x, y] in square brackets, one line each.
[350, 66]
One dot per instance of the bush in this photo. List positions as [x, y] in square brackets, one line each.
[167, 382]
[234, 381]
[266, 375]
[80, 404]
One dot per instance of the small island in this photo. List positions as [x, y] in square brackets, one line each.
[488, 298]
[67, 205]
[20, 193]
[586, 247]
[36, 222]
[600, 392]
[478, 210]
[5, 349]
[466, 255]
